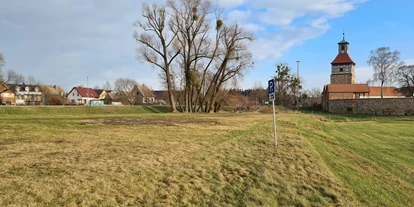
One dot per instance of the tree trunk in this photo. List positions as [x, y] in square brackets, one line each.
[170, 92]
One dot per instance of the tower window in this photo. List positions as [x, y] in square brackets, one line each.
[341, 69]
[342, 48]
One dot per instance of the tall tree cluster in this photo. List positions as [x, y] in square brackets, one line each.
[287, 85]
[198, 54]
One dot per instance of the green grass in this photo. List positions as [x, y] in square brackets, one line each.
[53, 111]
[131, 156]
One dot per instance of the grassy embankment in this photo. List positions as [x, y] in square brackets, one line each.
[54, 156]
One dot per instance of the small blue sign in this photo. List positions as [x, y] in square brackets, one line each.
[271, 86]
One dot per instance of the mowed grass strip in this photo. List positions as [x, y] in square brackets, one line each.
[163, 160]
[375, 159]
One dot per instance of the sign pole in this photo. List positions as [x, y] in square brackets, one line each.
[271, 90]
[274, 121]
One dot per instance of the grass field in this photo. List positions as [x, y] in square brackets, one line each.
[142, 156]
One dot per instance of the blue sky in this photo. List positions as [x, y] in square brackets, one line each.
[64, 41]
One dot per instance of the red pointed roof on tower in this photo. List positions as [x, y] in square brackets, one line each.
[342, 58]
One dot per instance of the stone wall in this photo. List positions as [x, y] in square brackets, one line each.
[342, 79]
[385, 106]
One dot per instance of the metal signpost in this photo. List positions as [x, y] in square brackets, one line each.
[271, 90]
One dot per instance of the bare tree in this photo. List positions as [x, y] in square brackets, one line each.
[14, 77]
[31, 80]
[107, 86]
[405, 78]
[2, 62]
[157, 44]
[202, 64]
[385, 63]
[312, 97]
[190, 23]
[123, 88]
[96, 87]
[234, 59]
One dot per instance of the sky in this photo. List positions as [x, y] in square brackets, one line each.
[88, 42]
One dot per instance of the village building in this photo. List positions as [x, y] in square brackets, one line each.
[343, 95]
[141, 95]
[53, 95]
[81, 96]
[107, 96]
[6, 95]
[161, 97]
[26, 94]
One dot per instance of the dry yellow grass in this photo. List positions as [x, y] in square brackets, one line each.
[164, 160]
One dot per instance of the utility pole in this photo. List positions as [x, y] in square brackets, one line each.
[87, 89]
[297, 90]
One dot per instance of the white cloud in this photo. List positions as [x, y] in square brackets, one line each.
[281, 24]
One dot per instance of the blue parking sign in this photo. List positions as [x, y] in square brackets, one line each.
[271, 86]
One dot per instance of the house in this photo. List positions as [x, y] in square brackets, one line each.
[81, 96]
[141, 94]
[53, 95]
[106, 95]
[27, 94]
[7, 97]
[161, 97]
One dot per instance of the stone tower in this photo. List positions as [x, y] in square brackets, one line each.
[343, 67]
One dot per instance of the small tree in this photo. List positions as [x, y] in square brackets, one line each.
[286, 85]
[14, 77]
[123, 88]
[405, 78]
[31, 80]
[1, 66]
[385, 63]
[107, 86]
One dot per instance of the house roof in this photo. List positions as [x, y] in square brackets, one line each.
[343, 42]
[22, 87]
[346, 88]
[99, 91]
[53, 90]
[342, 58]
[387, 91]
[160, 94]
[145, 91]
[84, 92]
[3, 87]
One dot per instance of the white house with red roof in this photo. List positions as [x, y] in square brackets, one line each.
[81, 96]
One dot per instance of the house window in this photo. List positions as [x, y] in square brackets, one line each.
[77, 94]
[73, 94]
[137, 93]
